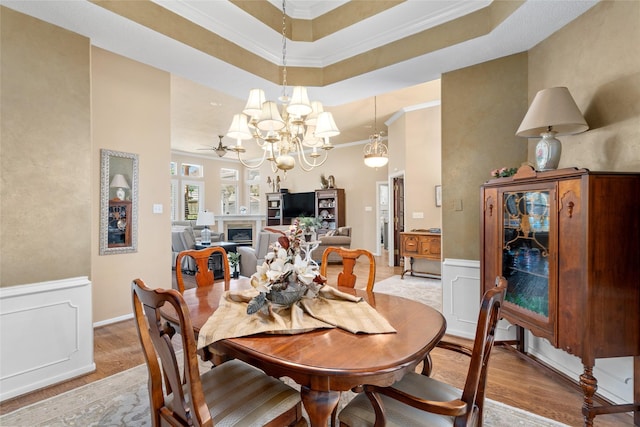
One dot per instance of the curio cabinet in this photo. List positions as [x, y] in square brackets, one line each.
[568, 243]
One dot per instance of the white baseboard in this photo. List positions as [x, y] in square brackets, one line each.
[461, 304]
[113, 320]
[46, 334]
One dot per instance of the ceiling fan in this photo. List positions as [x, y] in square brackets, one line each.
[220, 150]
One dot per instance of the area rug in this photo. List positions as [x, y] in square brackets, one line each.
[122, 399]
[421, 289]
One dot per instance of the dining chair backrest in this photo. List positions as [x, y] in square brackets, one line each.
[232, 393]
[474, 386]
[346, 277]
[155, 337]
[204, 275]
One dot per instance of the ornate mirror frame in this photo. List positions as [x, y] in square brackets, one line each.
[118, 204]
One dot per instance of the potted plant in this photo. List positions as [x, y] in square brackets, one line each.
[309, 225]
[234, 261]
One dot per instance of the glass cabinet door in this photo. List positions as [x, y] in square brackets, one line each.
[525, 250]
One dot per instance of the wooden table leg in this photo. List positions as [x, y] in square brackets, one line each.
[319, 405]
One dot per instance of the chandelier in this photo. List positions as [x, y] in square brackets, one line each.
[375, 152]
[301, 125]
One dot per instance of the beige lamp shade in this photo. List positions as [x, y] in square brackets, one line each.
[270, 119]
[205, 218]
[326, 126]
[119, 181]
[239, 128]
[299, 104]
[253, 108]
[552, 109]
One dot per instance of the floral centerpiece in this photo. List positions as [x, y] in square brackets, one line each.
[285, 277]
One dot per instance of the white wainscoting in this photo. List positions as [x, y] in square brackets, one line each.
[46, 334]
[461, 304]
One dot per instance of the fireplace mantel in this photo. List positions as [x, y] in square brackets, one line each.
[257, 222]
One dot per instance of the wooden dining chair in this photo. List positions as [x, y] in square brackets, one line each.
[419, 400]
[204, 273]
[349, 256]
[232, 393]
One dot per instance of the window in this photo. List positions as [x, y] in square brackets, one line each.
[193, 195]
[193, 171]
[229, 191]
[253, 190]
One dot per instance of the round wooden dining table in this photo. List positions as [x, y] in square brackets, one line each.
[325, 362]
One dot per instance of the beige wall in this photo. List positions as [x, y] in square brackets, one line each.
[598, 58]
[483, 105]
[45, 175]
[422, 172]
[131, 113]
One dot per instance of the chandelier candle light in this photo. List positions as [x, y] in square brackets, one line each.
[552, 112]
[375, 152]
[302, 124]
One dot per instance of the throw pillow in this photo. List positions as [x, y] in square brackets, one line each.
[343, 231]
[331, 233]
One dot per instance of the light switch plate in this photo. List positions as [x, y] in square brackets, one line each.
[157, 208]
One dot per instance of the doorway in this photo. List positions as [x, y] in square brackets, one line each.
[397, 220]
[382, 215]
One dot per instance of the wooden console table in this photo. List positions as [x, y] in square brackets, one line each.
[420, 244]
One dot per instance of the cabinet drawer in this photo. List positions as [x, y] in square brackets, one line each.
[410, 245]
[430, 247]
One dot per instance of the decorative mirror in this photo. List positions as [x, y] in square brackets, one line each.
[118, 202]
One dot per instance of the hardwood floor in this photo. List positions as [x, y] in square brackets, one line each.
[511, 380]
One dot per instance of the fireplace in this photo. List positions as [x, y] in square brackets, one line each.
[241, 234]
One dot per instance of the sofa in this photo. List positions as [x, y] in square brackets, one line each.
[184, 235]
[197, 230]
[341, 237]
[252, 257]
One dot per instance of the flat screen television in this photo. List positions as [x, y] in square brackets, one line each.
[298, 204]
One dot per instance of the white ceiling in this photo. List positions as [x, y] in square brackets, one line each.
[206, 91]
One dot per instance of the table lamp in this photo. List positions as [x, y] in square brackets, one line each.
[205, 218]
[552, 112]
[119, 181]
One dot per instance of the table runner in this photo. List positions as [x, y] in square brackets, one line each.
[330, 309]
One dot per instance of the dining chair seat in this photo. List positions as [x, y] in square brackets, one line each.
[238, 394]
[360, 413]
